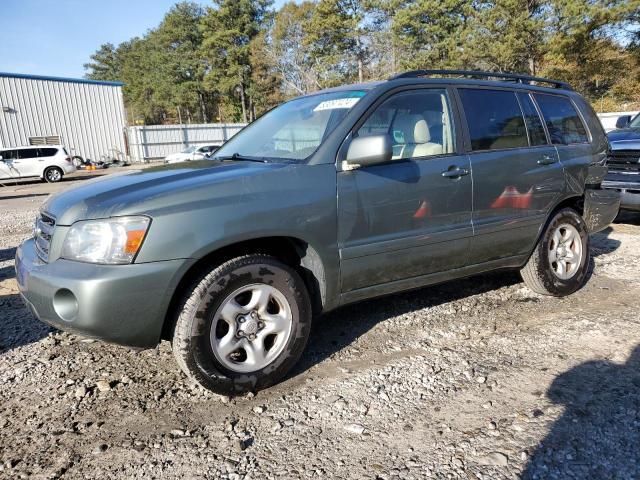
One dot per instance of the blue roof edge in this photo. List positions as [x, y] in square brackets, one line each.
[60, 79]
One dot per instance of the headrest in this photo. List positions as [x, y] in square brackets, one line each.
[414, 128]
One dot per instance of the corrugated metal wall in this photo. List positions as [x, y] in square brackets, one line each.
[158, 141]
[89, 116]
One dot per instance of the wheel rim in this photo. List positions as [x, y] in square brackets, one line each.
[565, 251]
[53, 175]
[251, 328]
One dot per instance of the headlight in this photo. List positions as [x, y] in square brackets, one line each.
[112, 241]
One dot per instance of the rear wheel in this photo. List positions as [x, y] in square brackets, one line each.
[560, 262]
[243, 325]
[53, 174]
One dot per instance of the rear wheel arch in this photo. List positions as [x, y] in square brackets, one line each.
[575, 202]
[294, 252]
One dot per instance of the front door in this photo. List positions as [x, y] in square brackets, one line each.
[517, 174]
[412, 216]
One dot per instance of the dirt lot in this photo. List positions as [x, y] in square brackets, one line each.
[475, 379]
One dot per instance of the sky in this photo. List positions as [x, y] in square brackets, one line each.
[56, 37]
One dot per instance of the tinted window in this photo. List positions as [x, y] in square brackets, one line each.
[9, 154]
[418, 121]
[563, 122]
[494, 118]
[48, 152]
[532, 120]
[28, 153]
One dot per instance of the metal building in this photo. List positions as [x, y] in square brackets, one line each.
[87, 116]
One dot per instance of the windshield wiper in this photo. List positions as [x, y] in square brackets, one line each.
[237, 156]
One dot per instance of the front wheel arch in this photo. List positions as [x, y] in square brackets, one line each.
[292, 251]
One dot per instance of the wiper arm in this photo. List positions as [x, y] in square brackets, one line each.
[237, 156]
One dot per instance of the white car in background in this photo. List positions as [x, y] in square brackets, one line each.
[192, 153]
[49, 162]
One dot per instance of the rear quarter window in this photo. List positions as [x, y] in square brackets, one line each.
[494, 119]
[563, 122]
[48, 152]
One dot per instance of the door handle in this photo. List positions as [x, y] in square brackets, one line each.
[455, 172]
[547, 160]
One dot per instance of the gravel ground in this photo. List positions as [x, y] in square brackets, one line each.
[476, 379]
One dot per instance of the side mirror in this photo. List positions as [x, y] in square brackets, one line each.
[623, 121]
[369, 150]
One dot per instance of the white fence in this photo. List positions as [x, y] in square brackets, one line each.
[157, 141]
[608, 120]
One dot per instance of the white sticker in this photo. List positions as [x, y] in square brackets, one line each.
[336, 103]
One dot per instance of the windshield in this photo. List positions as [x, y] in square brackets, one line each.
[292, 131]
[635, 122]
[189, 150]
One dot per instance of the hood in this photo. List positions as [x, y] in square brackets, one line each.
[136, 192]
[624, 134]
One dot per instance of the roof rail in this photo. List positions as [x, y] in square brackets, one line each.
[514, 77]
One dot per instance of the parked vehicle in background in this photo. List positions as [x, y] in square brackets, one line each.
[192, 153]
[624, 162]
[50, 163]
[331, 198]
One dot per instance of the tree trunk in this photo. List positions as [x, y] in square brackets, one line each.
[244, 106]
[204, 110]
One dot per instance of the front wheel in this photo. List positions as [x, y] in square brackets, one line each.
[243, 325]
[560, 262]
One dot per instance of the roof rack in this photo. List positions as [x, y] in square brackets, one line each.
[514, 77]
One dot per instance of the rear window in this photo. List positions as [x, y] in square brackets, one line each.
[48, 152]
[494, 118]
[563, 122]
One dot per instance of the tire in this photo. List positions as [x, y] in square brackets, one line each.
[53, 174]
[204, 330]
[559, 265]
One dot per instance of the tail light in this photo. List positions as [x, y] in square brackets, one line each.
[68, 159]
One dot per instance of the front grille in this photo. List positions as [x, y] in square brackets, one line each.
[44, 231]
[624, 161]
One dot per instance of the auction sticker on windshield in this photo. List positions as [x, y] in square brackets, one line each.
[336, 103]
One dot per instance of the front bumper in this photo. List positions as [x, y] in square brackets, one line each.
[629, 193]
[123, 304]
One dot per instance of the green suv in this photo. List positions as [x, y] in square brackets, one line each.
[331, 198]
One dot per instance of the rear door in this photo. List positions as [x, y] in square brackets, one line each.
[517, 175]
[412, 216]
[27, 163]
[569, 134]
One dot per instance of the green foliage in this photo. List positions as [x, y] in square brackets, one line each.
[238, 58]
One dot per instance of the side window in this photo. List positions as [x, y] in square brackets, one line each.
[494, 118]
[418, 121]
[9, 154]
[532, 120]
[563, 122]
[48, 152]
[28, 153]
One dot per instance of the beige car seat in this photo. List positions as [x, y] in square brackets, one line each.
[417, 138]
